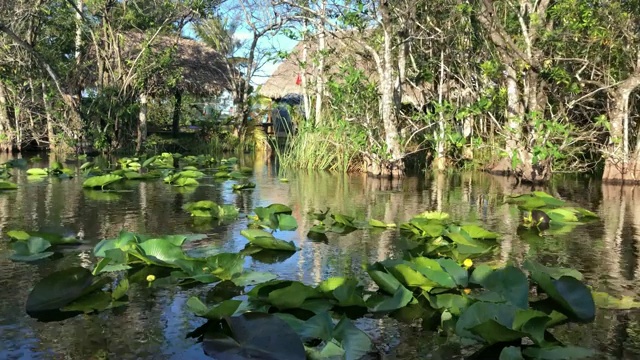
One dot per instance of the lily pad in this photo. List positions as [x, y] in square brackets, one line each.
[31, 250]
[255, 336]
[61, 288]
[101, 181]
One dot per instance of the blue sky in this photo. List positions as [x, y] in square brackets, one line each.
[278, 42]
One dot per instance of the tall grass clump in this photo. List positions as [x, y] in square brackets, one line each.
[327, 148]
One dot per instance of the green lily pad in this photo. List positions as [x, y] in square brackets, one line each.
[30, 250]
[61, 288]
[255, 335]
[101, 181]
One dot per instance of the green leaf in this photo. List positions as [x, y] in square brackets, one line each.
[186, 181]
[457, 272]
[385, 281]
[96, 301]
[61, 288]
[38, 171]
[353, 340]
[279, 209]
[573, 297]
[476, 232]
[30, 250]
[161, 252]
[265, 240]
[6, 185]
[493, 332]
[101, 181]
[380, 224]
[255, 335]
[511, 353]
[383, 303]
[319, 326]
[223, 309]
[434, 215]
[480, 273]
[606, 301]
[287, 222]
[226, 265]
[120, 290]
[511, 283]
[481, 317]
[252, 278]
[559, 353]
[291, 296]
[18, 235]
[191, 174]
[349, 294]
[553, 272]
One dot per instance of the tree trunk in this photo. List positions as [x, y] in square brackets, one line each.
[177, 107]
[51, 136]
[303, 76]
[6, 134]
[142, 123]
[320, 68]
[440, 161]
[619, 166]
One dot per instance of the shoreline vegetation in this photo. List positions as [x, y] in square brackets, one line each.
[447, 279]
[524, 89]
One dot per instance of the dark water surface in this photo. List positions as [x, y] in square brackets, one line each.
[155, 322]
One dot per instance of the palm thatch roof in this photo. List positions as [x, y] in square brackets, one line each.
[202, 70]
[285, 79]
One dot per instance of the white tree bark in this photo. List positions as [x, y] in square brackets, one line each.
[142, 122]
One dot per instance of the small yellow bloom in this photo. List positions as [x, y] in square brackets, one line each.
[467, 263]
[467, 291]
[151, 278]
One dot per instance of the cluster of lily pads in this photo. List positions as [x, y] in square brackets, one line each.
[440, 281]
[175, 169]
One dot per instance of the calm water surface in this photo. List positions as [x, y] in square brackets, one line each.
[155, 322]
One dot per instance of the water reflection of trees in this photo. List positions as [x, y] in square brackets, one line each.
[606, 251]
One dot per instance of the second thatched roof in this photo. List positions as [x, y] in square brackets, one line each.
[203, 71]
[285, 80]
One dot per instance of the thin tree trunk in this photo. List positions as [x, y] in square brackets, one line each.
[142, 123]
[176, 113]
[320, 68]
[78, 44]
[305, 90]
[47, 109]
[6, 135]
[440, 160]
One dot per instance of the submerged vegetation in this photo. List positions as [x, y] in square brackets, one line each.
[447, 278]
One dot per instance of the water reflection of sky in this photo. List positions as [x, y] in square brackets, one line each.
[155, 322]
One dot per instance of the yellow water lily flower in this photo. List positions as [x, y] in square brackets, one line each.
[467, 263]
[467, 291]
[151, 278]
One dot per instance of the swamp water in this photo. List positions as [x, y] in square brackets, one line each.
[155, 322]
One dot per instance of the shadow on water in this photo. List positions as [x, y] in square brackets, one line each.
[154, 323]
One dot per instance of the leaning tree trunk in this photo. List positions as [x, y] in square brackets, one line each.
[619, 166]
[142, 123]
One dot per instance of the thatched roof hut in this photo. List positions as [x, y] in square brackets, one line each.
[203, 71]
[285, 79]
